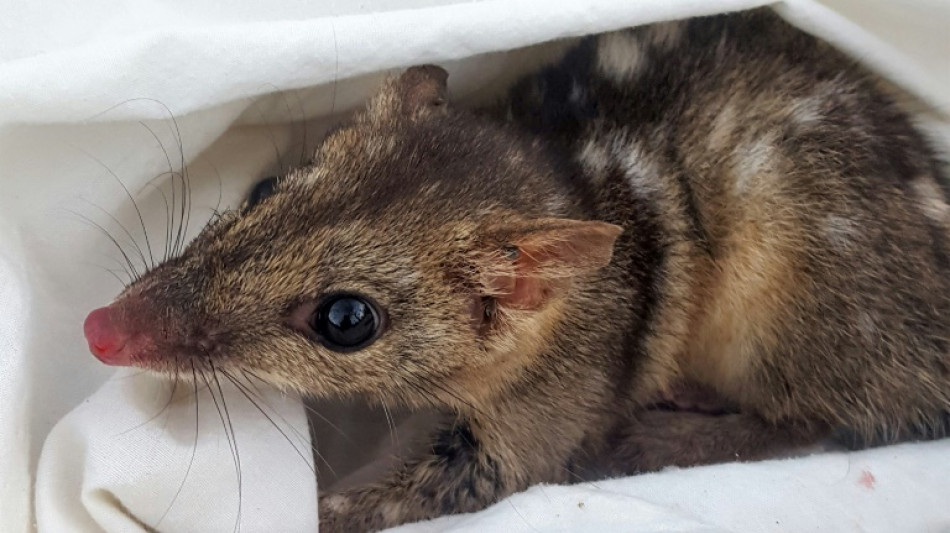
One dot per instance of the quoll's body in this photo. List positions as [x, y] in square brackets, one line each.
[717, 207]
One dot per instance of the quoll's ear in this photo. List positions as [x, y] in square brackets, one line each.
[534, 261]
[423, 87]
[418, 91]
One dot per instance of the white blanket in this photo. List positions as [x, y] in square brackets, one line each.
[87, 93]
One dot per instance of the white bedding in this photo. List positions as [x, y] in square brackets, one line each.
[87, 89]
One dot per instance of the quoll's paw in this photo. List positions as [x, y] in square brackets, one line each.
[658, 438]
[334, 511]
[693, 398]
[359, 511]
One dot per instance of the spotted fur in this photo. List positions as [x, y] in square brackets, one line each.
[784, 245]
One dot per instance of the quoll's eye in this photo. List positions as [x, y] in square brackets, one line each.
[261, 190]
[346, 322]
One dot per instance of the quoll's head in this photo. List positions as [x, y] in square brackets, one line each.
[423, 243]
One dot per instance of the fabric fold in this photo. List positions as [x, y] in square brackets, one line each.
[104, 103]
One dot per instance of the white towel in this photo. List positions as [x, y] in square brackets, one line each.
[87, 92]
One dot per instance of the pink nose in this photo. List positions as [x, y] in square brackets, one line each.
[106, 342]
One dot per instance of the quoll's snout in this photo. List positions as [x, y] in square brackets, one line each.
[106, 340]
[129, 333]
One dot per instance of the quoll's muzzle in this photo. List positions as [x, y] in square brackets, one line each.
[106, 341]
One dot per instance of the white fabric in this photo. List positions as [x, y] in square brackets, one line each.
[76, 79]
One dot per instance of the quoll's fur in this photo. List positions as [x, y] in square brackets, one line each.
[721, 204]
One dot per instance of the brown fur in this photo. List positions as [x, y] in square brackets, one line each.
[784, 245]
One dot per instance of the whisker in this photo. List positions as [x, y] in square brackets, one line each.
[184, 174]
[118, 267]
[336, 66]
[171, 172]
[176, 131]
[273, 141]
[392, 426]
[304, 127]
[303, 123]
[426, 394]
[517, 512]
[128, 194]
[113, 272]
[194, 449]
[260, 396]
[127, 376]
[231, 444]
[237, 455]
[116, 276]
[161, 146]
[171, 398]
[217, 173]
[327, 421]
[305, 406]
[133, 272]
[172, 240]
[283, 96]
[579, 478]
[457, 397]
[168, 212]
[121, 226]
[247, 394]
[186, 208]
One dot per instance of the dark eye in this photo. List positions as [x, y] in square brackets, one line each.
[346, 322]
[261, 190]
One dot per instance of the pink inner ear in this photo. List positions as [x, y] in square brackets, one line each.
[523, 288]
[550, 254]
[530, 293]
[572, 246]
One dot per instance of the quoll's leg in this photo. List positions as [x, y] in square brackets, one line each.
[459, 475]
[655, 439]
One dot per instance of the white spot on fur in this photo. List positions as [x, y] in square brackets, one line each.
[722, 128]
[666, 35]
[554, 206]
[840, 231]
[931, 199]
[336, 503]
[752, 162]
[577, 95]
[806, 111]
[391, 512]
[637, 165]
[621, 56]
[641, 172]
[594, 159]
